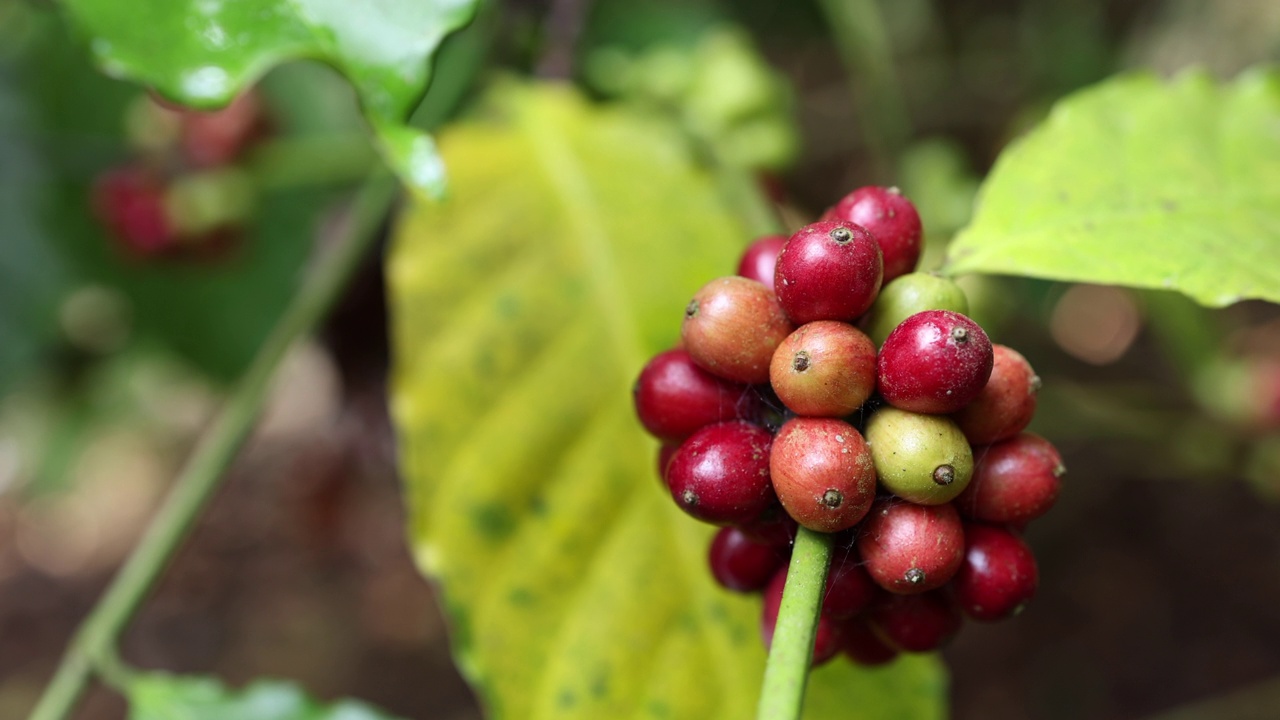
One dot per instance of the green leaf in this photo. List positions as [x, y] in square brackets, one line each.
[1145, 183]
[203, 52]
[523, 307]
[159, 696]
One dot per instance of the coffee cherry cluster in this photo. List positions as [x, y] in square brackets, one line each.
[830, 386]
[182, 192]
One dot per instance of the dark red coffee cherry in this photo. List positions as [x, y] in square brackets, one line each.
[130, 202]
[761, 258]
[849, 588]
[863, 646]
[721, 474]
[911, 548]
[823, 473]
[935, 362]
[674, 397]
[741, 564]
[731, 328]
[1014, 481]
[826, 641]
[666, 451]
[774, 527]
[1005, 406]
[824, 369]
[916, 623]
[998, 577]
[892, 220]
[828, 271]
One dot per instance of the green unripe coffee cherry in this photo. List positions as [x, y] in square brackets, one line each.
[910, 294]
[921, 458]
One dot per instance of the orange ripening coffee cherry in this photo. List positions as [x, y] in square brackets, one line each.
[1007, 402]
[823, 473]
[731, 328]
[824, 369]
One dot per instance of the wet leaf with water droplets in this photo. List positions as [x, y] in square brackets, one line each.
[203, 52]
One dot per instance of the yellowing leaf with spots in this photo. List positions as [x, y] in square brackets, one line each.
[524, 306]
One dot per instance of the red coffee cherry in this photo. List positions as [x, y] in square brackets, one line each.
[130, 202]
[935, 362]
[219, 137]
[721, 474]
[911, 548]
[826, 641]
[666, 451]
[761, 259]
[1007, 402]
[731, 328]
[892, 220]
[849, 587]
[675, 398]
[828, 271]
[824, 369]
[1014, 481]
[774, 527]
[916, 623]
[998, 577]
[741, 564]
[823, 473]
[863, 646]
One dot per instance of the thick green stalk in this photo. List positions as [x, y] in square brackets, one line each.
[787, 672]
[93, 648]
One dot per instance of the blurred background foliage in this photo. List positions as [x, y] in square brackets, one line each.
[111, 362]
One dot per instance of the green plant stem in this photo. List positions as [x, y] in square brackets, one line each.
[787, 670]
[93, 648]
[860, 36]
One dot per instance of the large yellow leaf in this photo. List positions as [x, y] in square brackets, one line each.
[524, 306]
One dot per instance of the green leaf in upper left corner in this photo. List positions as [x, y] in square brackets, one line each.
[203, 52]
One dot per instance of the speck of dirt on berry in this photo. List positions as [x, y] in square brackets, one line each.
[832, 498]
[1060, 470]
[914, 576]
[1036, 383]
[691, 309]
[959, 334]
[944, 474]
[841, 235]
[800, 362]
[689, 498]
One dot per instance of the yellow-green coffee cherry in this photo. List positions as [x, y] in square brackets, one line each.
[911, 294]
[921, 458]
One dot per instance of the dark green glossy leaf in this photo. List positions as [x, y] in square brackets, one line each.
[524, 306]
[203, 52]
[1141, 182]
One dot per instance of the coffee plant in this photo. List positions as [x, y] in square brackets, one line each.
[600, 267]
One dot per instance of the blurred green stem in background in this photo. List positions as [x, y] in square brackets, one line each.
[861, 38]
[93, 648]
